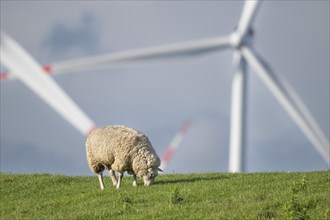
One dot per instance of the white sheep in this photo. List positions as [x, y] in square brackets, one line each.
[120, 149]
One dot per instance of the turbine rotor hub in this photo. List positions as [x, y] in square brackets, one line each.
[237, 39]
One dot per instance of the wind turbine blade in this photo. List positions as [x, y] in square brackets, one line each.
[146, 55]
[174, 145]
[304, 111]
[299, 103]
[16, 59]
[290, 102]
[248, 14]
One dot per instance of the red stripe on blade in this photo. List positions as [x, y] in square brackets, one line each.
[185, 127]
[168, 154]
[47, 68]
[3, 76]
[90, 130]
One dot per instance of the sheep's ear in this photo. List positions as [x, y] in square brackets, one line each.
[159, 169]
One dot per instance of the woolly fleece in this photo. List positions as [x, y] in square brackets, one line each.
[121, 149]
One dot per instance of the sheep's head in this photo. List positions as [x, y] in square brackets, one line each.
[150, 176]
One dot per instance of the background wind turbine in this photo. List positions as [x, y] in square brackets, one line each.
[244, 56]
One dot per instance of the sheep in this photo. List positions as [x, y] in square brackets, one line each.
[119, 149]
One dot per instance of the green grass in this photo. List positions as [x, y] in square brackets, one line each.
[192, 196]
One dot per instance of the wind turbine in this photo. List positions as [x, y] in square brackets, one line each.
[244, 56]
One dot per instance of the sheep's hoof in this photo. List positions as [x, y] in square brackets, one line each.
[134, 184]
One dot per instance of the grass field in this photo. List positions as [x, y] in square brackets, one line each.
[191, 196]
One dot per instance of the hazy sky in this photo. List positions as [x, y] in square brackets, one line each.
[293, 36]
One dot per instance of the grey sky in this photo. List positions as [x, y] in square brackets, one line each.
[293, 36]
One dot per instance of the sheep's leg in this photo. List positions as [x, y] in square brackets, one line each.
[134, 180]
[100, 175]
[120, 177]
[113, 177]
